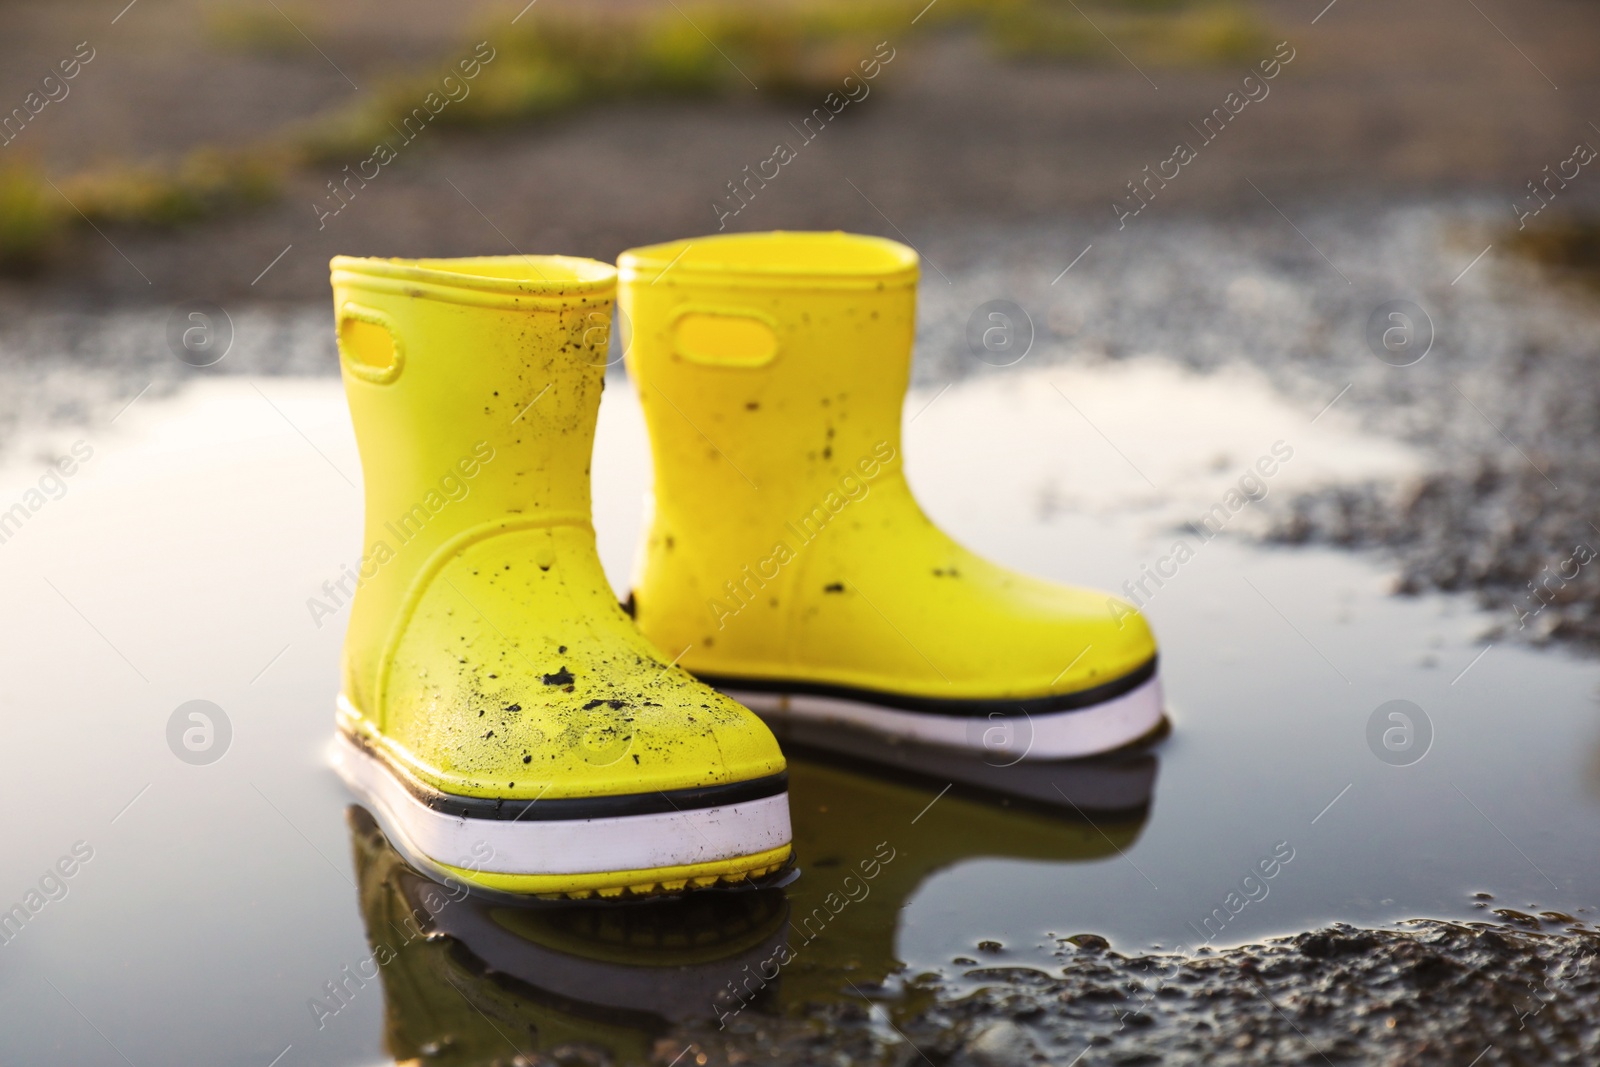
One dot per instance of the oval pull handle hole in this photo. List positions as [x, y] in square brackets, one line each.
[725, 339]
[368, 345]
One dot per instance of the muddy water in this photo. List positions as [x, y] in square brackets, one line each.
[219, 899]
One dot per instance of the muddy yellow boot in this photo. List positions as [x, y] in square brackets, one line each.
[499, 712]
[784, 546]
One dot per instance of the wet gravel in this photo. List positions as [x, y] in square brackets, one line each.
[1518, 991]
[66, 366]
[1503, 399]
[673, 982]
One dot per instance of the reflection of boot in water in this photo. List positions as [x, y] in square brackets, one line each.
[867, 839]
[1116, 788]
[468, 981]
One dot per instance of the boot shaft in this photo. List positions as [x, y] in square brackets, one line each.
[778, 361]
[474, 386]
[772, 369]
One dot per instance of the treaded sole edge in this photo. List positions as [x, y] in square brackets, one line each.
[627, 856]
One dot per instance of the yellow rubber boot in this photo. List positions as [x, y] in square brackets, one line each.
[500, 714]
[784, 546]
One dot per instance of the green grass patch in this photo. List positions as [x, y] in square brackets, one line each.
[554, 64]
[1153, 32]
[32, 222]
[264, 30]
[204, 182]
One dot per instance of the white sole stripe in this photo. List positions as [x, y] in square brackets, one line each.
[578, 846]
[1053, 735]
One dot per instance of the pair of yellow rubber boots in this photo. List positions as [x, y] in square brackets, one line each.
[508, 721]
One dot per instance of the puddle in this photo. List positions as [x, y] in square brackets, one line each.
[221, 903]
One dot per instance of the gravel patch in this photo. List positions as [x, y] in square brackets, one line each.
[1517, 991]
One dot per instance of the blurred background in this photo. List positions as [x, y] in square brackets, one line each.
[203, 132]
[223, 151]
